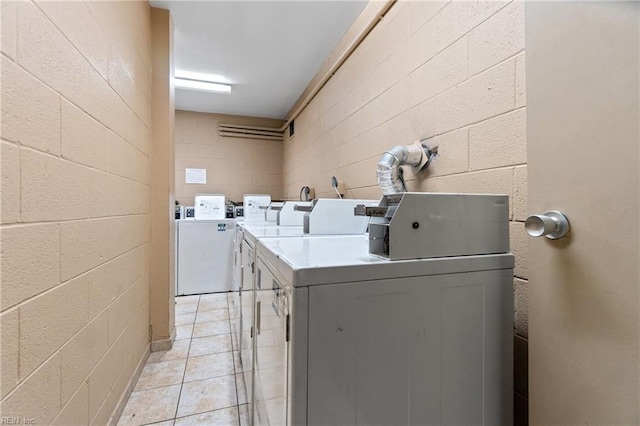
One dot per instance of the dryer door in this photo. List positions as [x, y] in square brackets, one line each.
[271, 349]
[246, 318]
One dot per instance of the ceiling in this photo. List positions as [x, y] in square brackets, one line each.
[267, 50]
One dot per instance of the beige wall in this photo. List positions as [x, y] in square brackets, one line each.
[234, 166]
[75, 207]
[451, 73]
[162, 271]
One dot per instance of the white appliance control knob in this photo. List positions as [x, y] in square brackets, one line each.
[553, 225]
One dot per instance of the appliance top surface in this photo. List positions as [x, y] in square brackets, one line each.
[275, 231]
[192, 220]
[252, 227]
[338, 259]
[258, 224]
[321, 251]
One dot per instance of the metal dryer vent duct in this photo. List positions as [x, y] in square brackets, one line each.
[417, 155]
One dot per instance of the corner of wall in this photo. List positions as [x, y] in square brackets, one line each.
[162, 267]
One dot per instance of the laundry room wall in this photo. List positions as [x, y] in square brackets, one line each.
[75, 207]
[449, 73]
[235, 166]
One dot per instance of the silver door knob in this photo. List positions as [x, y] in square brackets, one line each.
[552, 224]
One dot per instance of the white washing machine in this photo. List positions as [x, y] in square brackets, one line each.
[248, 237]
[411, 324]
[204, 256]
[343, 337]
[325, 219]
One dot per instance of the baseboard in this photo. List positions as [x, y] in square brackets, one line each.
[132, 384]
[164, 345]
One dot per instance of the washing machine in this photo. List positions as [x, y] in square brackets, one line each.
[364, 330]
[324, 215]
[249, 236]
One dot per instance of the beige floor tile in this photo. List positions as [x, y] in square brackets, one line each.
[224, 417]
[211, 306]
[242, 389]
[207, 395]
[244, 415]
[184, 319]
[213, 328]
[214, 315]
[184, 331]
[207, 366]
[180, 350]
[218, 297]
[186, 308]
[159, 374]
[210, 345]
[210, 302]
[186, 300]
[151, 405]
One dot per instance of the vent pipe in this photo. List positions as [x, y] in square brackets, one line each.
[417, 155]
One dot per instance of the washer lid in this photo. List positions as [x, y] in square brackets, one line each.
[338, 259]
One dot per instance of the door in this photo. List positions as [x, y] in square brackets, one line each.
[246, 318]
[234, 312]
[271, 350]
[582, 128]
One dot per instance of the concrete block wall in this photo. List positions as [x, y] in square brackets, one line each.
[75, 228]
[449, 73]
[234, 166]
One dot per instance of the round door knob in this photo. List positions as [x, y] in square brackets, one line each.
[552, 224]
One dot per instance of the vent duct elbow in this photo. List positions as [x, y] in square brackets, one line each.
[417, 155]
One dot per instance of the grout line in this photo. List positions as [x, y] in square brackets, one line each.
[60, 126]
[465, 126]
[469, 77]
[91, 115]
[65, 221]
[236, 405]
[515, 81]
[91, 65]
[93, 269]
[175, 416]
[76, 163]
[235, 372]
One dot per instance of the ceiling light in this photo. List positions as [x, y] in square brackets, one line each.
[190, 75]
[203, 86]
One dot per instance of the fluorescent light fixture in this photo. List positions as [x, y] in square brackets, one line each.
[190, 75]
[203, 86]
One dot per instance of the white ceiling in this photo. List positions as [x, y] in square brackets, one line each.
[268, 50]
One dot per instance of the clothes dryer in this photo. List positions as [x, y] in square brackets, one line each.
[345, 337]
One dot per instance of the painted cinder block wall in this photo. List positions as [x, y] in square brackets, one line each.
[75, 230]
[234, 166]
[452, 73]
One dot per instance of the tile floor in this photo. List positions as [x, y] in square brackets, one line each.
[199, 381]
